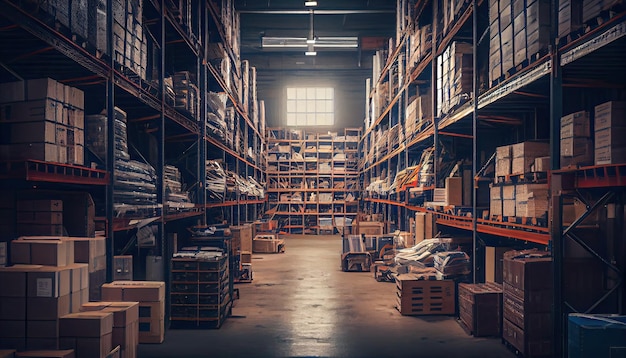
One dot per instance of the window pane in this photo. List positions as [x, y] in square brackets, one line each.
[291, 119]
[310, 106]
[329, 106]
[301, 93]
[301, 119]
[330, 93]
[310, 93]
[310, 119]
[301, 107]
[320, 93]
[291, 106]
[291, 93]
[321, 107]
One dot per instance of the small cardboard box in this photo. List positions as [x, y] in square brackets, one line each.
[49, 281]
[54, 252]
[124, 313]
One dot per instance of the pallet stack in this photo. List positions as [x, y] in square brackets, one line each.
[130, 44]
[527, 302]
[44, 120]
[125, 329]
[187, 95]
[417, 297]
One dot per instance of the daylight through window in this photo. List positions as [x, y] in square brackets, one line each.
[310, 106]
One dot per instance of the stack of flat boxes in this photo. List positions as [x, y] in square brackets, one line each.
[609, 133]
[480, 308]
[187, 94]
[89, 334]
[42, 286]
[524, 155]
[44, 120]
[576, 143]
[456, 76]
[531, 200]
[519, 29]
[125, 324]
[570, 17]
[528, 290]
[39, 217]
[151, 298]
[130, 44]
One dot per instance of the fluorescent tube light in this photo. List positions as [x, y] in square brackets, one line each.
[310, 53]
[310, 3]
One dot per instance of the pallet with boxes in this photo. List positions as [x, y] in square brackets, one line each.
[45, 119]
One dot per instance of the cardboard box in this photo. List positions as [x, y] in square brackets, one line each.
[528, 273]
[12, 308]
[152, 331]
[576, 124]
[244, 234]
[503, 161]
[454, 191]
[542, 164]
[96, 347]
[86, 324]
[47, 308]
[65, 353]
[246, 257]
[267, 244]
[42, 329]
[39, 229]
[494, 257]
[79, 275]
[40, 205]
[13, 280]
[608, 155]
[42, 252]
[48, 281]
[612, 137]
[151, 310]
[124, 313]
[13, 91]
[524, 155]
[140, 291]
[610, 114]
[91, 251]
[42, 88]
[371, 228]
[13, 328]
[33, 343]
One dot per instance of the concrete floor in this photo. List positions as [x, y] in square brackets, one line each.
[300, 304]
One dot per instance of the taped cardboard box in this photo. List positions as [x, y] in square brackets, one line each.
[140, 291]
[52, 252]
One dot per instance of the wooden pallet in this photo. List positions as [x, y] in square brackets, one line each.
[520, 178]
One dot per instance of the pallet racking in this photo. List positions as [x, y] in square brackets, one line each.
[312, 179]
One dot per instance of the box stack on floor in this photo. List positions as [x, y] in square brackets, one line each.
[42, 119]
[527, 301]
[242, 248]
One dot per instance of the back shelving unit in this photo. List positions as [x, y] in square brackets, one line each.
[312, 180]
[164, 91]
[460, 106]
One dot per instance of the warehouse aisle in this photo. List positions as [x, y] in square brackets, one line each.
[301, 304]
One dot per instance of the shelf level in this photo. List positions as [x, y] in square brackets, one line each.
[35, 170]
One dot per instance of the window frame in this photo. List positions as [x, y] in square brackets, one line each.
[308, 106]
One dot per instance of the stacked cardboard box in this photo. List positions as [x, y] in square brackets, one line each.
[151, 298]
[576, 144]
[242, 241]
[455, 77]
[40, 217]
[45, 119]
[92, 251]
[187, 95]
[125, 324]
[34, 297]
[130, 44]
[531, 200]
[495, 201]
[527, 323]
[480, 308]
[524, 155]
[609, 133]
[519, 29]
[503, 161]
[570, 17]
[89, 334]
[508, 201]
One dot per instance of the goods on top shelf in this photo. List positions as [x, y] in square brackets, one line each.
[43, 120]
[454, 85]
[176, 197]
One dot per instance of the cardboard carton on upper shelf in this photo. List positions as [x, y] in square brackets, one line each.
[524, 155]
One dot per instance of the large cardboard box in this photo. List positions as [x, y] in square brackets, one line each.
[47, 308]
[54, 252]
[96, 347]
[610, 114]
[454, 191]
[139, 291]
[125, 324]
[86, 324]
[243, 234]
[48, 281]
[503, 161]
[528, 273]
[576, 124]
[524, 155]
[371, 228]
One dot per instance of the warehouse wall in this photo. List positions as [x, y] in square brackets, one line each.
[349, 88]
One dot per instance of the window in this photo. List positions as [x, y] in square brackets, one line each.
[310, 106]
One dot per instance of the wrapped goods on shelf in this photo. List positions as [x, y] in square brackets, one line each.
[215, 180]
[96, 135]
[455, 76]
[423, 253]
[175, 196]
[452, 263]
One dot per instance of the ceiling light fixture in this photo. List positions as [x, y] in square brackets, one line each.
[310, 53]
[310, 3]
